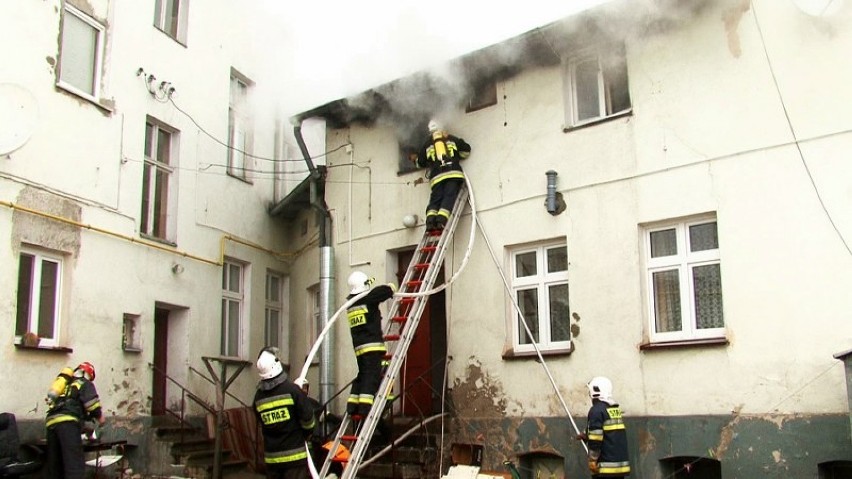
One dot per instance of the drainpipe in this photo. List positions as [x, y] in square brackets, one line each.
[326, 271]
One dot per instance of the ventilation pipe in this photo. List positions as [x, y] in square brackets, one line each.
[326, 272]
[555, 204]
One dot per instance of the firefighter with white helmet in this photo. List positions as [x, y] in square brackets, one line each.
[286, 417]
[441, 153]
[365, 326]
[606, 433]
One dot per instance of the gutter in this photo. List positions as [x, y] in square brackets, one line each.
[326, 270]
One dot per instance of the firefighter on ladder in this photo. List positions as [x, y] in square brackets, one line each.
[441, 154]
[365, 325]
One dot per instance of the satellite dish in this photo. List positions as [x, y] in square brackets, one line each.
[819, 8]
[18, 117]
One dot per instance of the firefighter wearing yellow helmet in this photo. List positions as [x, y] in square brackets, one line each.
[441, 153]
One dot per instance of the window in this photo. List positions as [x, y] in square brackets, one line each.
[170, 17]
[274, 309]
[684, 281]
[484, 95]
[233, 298]
[80, 53]
[158, 185]
[540, 286]
[39, 294]
[315, 326]
[239, 131]
[596, 86]
[131, 338]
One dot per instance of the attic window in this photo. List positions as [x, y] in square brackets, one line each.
[484, 95]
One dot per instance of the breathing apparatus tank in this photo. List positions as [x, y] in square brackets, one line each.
[57, 387]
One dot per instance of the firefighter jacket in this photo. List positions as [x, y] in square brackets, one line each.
[79, 402]
[365, 320]
[441, 154]
[287, 420]
[608, 439]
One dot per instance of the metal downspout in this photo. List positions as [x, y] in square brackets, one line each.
[326, 272]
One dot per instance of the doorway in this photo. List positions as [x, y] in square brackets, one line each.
[422, 378]
[161, 361]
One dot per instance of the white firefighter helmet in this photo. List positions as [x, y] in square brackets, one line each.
[434, 125]
[600, 388]
[268, 365]
[359, 282]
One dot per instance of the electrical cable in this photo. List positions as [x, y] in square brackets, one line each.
[793, 132]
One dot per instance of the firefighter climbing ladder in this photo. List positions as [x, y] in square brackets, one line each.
[403, 317]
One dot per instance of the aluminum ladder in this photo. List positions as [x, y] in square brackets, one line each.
[404, 316]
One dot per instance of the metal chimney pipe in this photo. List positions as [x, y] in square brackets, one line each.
[552, 206]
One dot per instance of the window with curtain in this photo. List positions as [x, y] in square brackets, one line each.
[684, 280]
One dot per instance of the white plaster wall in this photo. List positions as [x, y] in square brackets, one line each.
[708, 134]
[92, 156]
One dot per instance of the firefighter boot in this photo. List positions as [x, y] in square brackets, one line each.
[440, 222]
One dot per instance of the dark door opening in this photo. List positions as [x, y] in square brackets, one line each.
[161, 348]
[422, 376]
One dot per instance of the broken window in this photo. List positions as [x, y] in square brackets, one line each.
[691, 467]
[233, 298]
[170, 17]
[39, 297]
[596, 85]
[684, 280]
[540, 287]
[158, 182]
[80, 53]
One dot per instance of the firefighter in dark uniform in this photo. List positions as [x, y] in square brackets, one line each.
[441, 154]
[605, 433]
[78, 402]
[365, 325]
[286, 417]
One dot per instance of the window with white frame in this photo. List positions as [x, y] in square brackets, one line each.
[170, 17]
[233, 301]
[239, 128]
[540, 289]
[314, 328]
[39, 296]
[274, 309]
[158, 181]
[80, 55]
[684, 280]
[596, 85]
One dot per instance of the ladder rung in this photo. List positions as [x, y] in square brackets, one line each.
[429, 248]
[348, 437]
[399, 319]
[392, 337]
[406, 300]
[415, 284]
[422, 265]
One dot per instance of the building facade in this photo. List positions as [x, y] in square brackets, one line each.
[141, 154]
[694, 246]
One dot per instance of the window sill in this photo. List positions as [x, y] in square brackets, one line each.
[511, 354]
[684, 344]
[567, 129]
[156, 239]
[54, 349]
[104, 104]
[244, 179]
